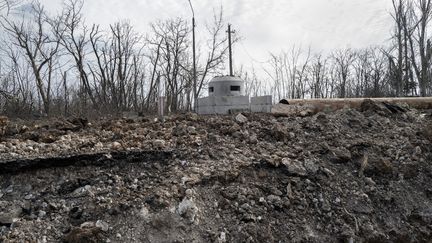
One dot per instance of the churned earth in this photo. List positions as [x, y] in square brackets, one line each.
[341, 176]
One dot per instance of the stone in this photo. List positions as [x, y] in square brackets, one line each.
[116, 146]
[102, 225]
[240, 118]
[8, 218]
[326, 207]
[9, 189]
[159, 143]
[360, 206]
[423, 215]
[311, 166]
[340, 155]
[191, 130]
[26, 207]
[328, 172]
[144, 213]
[188, 210]
[382, 166]
[294, 167]
[98, 145]
[253, 139]
[222, 237]
[370, 181]
[42, 214]
[275, 200]
[418, 150]
[92, 234]
[289, 190]
[276, 191]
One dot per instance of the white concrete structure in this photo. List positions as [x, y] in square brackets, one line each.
[261, 104]
[227, 86]
[227, 94]
[223, 104]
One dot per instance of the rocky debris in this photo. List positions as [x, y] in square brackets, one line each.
[342, 176]
[370, 105]
[382, 108]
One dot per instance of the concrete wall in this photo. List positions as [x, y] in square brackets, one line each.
[261, 104]
[228, 104]
[222, 105]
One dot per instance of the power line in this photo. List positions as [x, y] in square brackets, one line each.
[250, 56]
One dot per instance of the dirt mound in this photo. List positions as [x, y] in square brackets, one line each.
[342, 176]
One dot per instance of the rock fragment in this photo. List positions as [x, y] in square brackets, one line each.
[294, 167]
[84, 235]
[340, 155]
[240, 118]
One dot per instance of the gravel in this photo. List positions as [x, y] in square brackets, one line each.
[342, 176]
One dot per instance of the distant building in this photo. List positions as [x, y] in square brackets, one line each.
[227, 86]
[227, 94]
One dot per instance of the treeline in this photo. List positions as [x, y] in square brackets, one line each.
[401, 68]
[60, 65]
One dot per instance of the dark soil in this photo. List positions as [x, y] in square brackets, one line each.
[344, 176]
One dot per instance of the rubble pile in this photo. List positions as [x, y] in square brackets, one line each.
[338, 176]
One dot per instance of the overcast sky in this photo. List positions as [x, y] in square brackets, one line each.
[265, 25]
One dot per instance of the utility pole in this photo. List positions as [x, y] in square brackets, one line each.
[230, 49]
[161, 102]
[194, 66]
[195, 95]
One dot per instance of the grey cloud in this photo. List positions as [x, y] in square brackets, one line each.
[265, 25]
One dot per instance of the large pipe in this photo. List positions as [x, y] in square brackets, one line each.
[335, 104]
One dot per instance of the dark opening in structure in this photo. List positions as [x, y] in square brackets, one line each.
[235, 88]
[211, 89]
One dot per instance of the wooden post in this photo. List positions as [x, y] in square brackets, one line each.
[161, 108]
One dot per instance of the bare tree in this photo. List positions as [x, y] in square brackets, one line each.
[421, 14]
[38, 46]
[118, 72]
[174, 62]
[155, 77]
[217, 48]
[343, 62]
[8, 5]
[73, 36]
[400, 63]
[318, 71]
